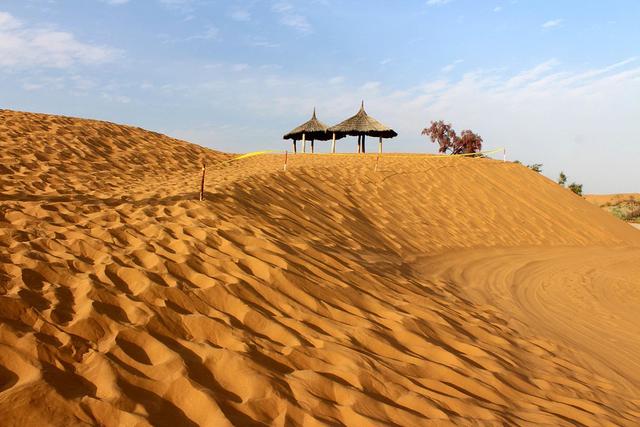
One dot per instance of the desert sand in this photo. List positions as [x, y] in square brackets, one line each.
[435, 291]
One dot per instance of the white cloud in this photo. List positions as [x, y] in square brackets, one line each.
[239, 67]
[531, 74]
[449, 67]
[175, 2]
[22, 46]
[297, 22]
[282, 7]
[288, 17]
[552, 23]
[336, 80]
[210, 33]
[8, 22]
[30, 87]
[497, 9]
[437, 2]
[370, 86]
[240, 15]
[261, 42]
[116, 2]
[119, 99]
[184, 7]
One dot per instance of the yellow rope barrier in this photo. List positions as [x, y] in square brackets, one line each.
[431, 156]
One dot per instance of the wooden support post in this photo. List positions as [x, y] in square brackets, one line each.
[295, 149]
[364, 145]
[312, 148]
[286, 154]
[380, 146]
[359, 145]
[377, 160]
[333, 144]
[202, 182]
[304, 142]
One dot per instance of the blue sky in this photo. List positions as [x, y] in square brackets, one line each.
[556, 82]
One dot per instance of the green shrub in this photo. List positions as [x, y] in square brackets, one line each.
[576, 188]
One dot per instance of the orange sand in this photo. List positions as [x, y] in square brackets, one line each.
[437, 291]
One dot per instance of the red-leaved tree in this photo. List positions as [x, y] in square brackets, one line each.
[468, 142]
[442, 133]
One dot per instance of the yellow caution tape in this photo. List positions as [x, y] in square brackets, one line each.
[256, 153]
[469, 154]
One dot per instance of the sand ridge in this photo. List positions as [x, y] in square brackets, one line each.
[330, 294]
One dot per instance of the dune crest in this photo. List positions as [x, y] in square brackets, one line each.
[442, 291]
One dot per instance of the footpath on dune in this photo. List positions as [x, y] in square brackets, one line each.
[434, 291]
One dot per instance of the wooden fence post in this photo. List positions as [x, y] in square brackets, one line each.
[202, 182]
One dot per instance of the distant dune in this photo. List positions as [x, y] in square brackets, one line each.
[435, 291]
[611, 199]
[625, 206]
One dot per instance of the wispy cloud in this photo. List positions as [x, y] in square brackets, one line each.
[449, 67]
[531, 74]
[553, 23]
[497, 9]
[116, 2]
[8, 22]
[261, 42]
[290, 18]
[438, 2]
[23, 46]
[185, 7]
[240, 15]
[239, 67]
[120, 99]
[370, 86]
[210, 33]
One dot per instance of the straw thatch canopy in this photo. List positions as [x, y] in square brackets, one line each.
[362, 124]
[313, 129]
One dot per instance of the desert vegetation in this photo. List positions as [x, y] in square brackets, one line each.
[575, 187]
[448, 140]
[624, 206]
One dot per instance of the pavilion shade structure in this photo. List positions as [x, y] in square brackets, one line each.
[362, 124]
[314, 129]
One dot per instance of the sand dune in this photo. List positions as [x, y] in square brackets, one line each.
[625, 206]
[611, 199]
[435, 291]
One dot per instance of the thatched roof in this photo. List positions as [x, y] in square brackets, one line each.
[313, 129]
[362, 124]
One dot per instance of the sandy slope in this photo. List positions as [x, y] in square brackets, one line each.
[435, 291]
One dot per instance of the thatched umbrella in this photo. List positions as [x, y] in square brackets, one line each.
[313, 129]
[362, 125]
